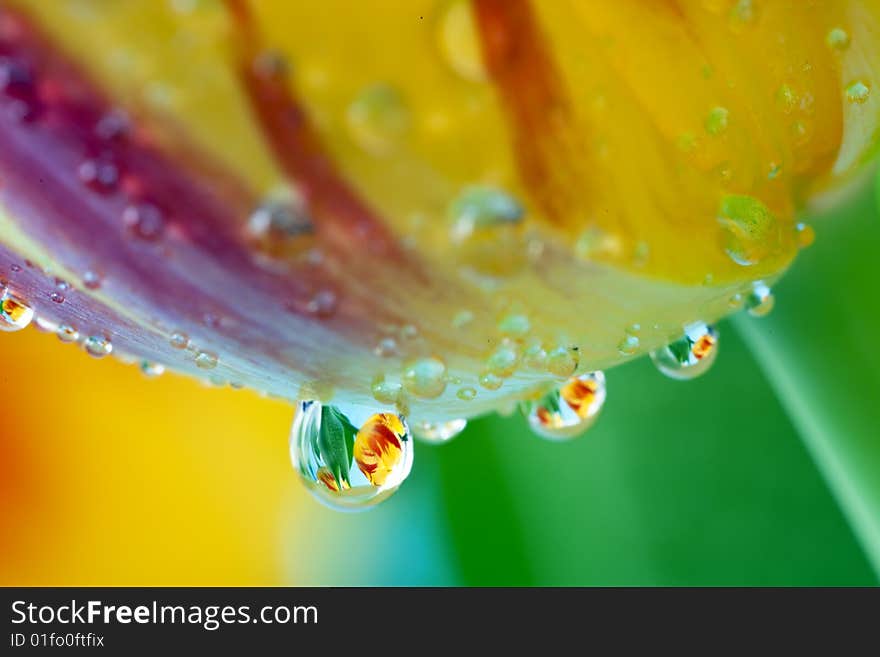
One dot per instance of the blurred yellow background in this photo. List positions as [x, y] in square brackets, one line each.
[108, 478]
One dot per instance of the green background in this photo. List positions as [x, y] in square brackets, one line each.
[766, 471]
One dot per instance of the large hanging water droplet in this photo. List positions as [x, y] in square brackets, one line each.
[425, 378]
[350, 459]
[15, 314]
[689, 356]
[571, 410]
[378, 119]
[751, 232]
[438, 432]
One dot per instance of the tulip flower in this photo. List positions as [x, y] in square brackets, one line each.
[433, 208]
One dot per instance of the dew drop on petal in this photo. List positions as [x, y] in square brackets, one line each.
[67, 333]
[562, 361]
[467, 393]
[179, 340]
[806, 235]
[717, 121]
[92, 279]
[15, 313]
[386, 347]
[480, 207]
[504, 360]
[278, 220]
[569, 411]
[99, 175]
[384, 391]
[350, 458]
[151, 369]
[751, 231]
[378, 119]
[57, 297]
[206, 360]
[425, 378]
[760, 301]
[491, 381]
[689, 356]
[857, 92]
[837, 39]
[144, 221]
[323, 303]
[514, 325]
[459, 40]
[98, 346]
[438, 432]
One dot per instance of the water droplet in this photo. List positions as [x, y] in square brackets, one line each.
[631, 341]
[774, 172]
[736, 301]
[385, 392]
[858, 92]
[459, 41]
[144, 220]
[179, 340]
[491, 381]
[717, 120]
[57, 297]
[409, 332]
[806, 235]
[206, 360]
[151, 369]
[350, 459]
[386, 348]
[742, 13]
[99, 175]
[14, 268]
[786, 99]
[44, 324]
[438, 432]
[751, 232]
[837, 39]
[571, 410]
[760, 301]
[425, 378]
[278, 220]
[689, 356]
[595, 243]
[67, 333]
[562, 361]
[514, 325]
[15, 314]
[378, 119]
[462, 318]
[479, 207]
[323, 303]
[92, 279]
[534, 356]
[503, 361]
[98, 346]
[467, 393]
[112, 126]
